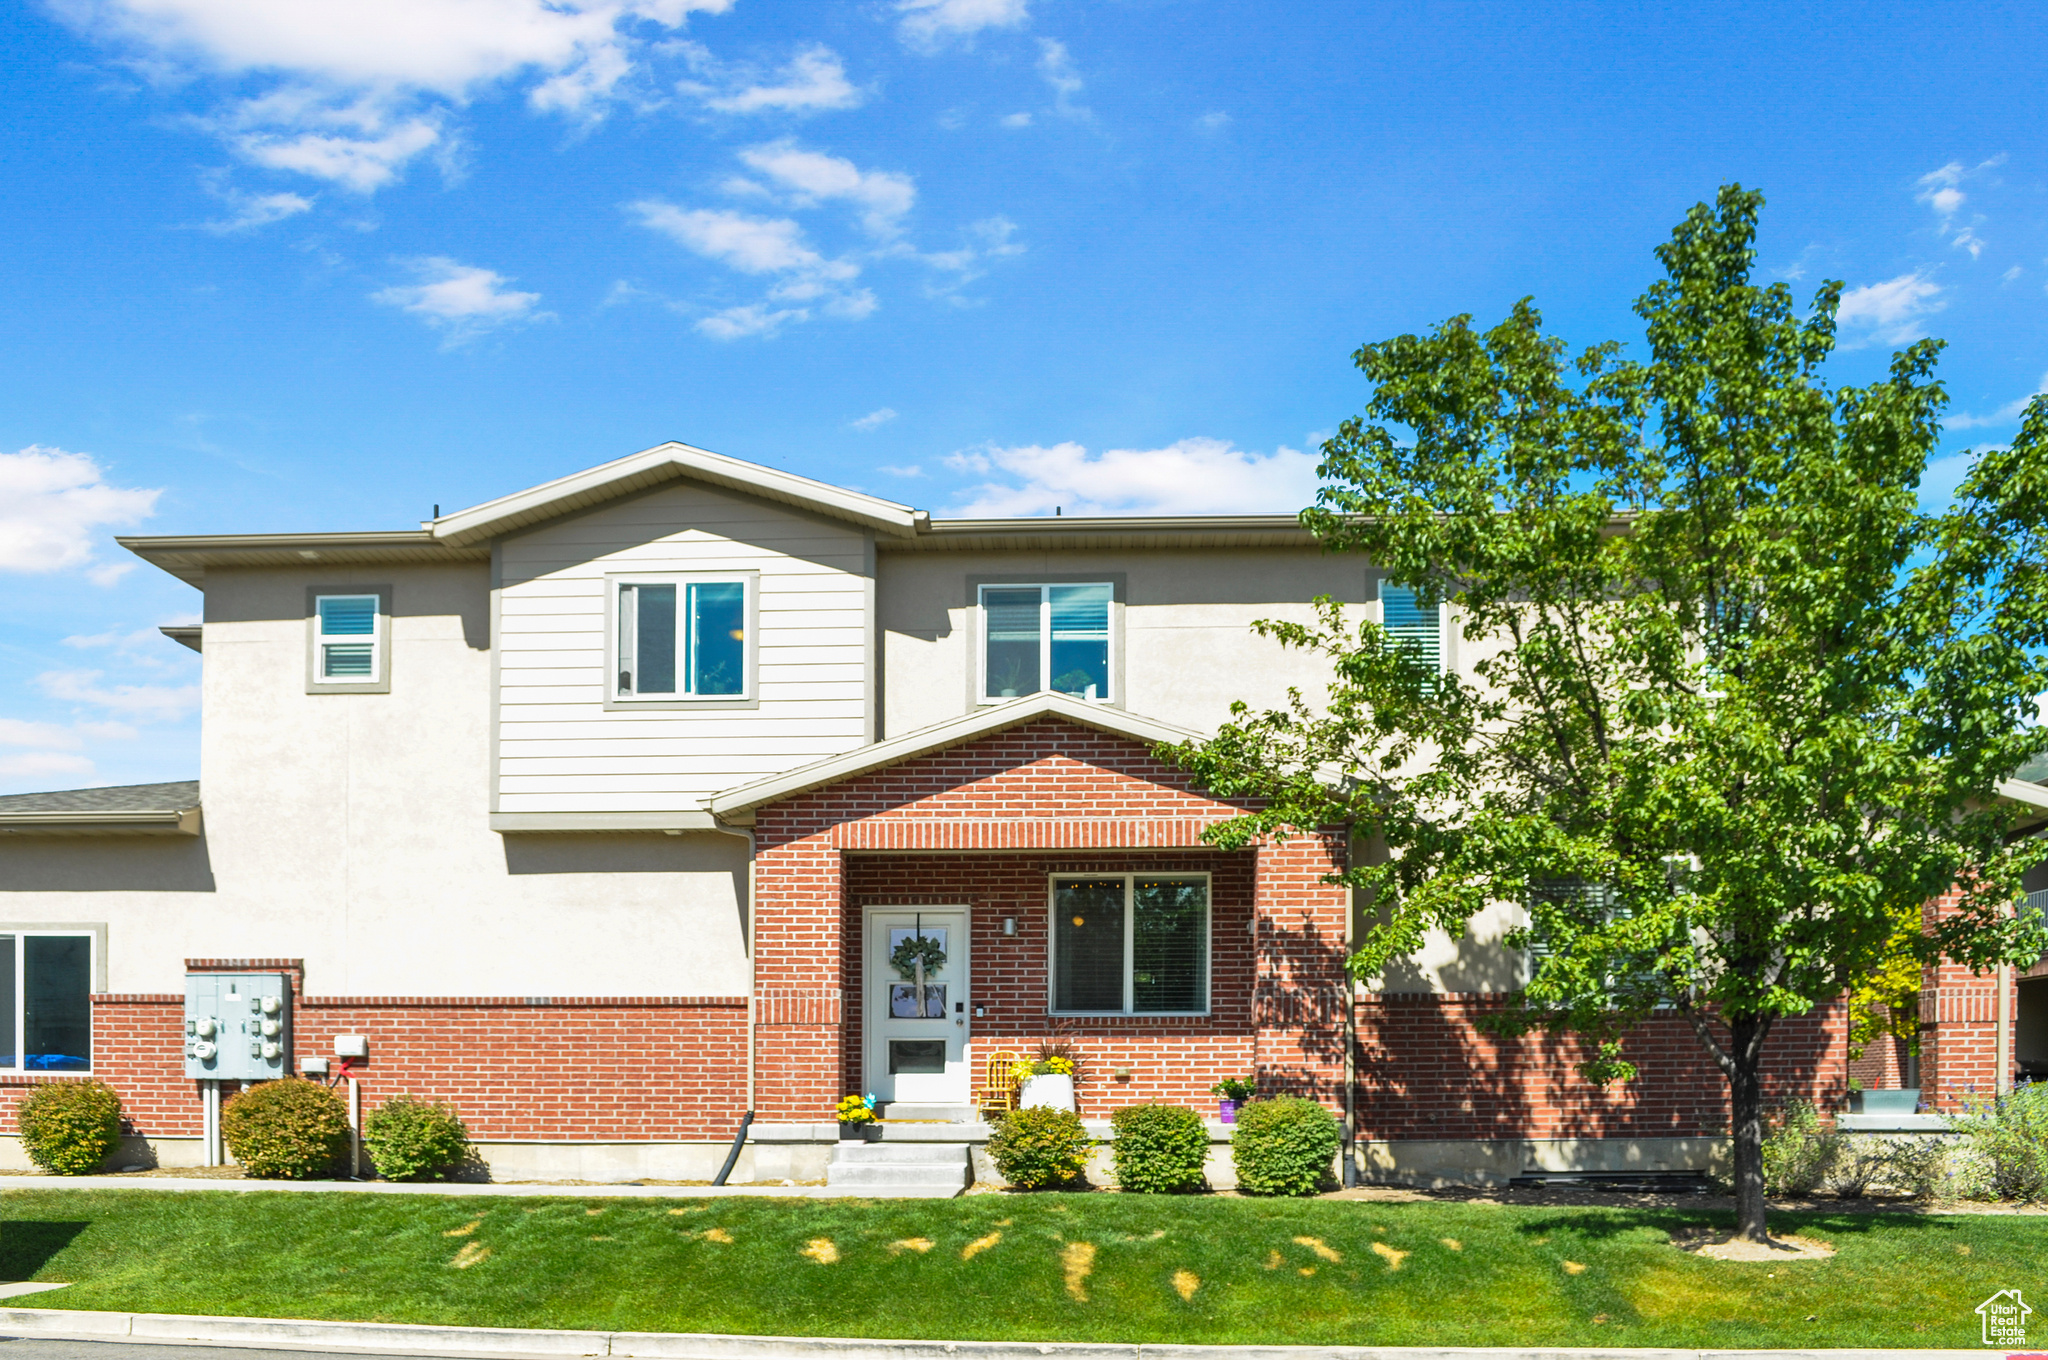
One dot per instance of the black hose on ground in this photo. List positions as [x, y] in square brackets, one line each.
[738, 1141]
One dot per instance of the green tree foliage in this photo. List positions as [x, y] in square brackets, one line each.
[1283, 1146]
[416, 1140]
[1735, 705]
[69, 1128]
[291, 1130]
[1158, 1149]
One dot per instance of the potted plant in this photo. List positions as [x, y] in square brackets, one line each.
[1235, 1092]
[1044, 1081]
[857, 1120]
[1904, 1101]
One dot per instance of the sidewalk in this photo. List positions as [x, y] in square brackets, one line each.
[499, 1343]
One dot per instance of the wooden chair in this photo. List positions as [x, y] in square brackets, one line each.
[998, 1094]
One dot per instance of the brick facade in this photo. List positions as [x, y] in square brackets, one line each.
[1959, 1015]
[546, 1068]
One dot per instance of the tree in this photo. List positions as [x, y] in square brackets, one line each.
[1738, 704]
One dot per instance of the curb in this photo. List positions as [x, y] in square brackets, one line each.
[293, 1333]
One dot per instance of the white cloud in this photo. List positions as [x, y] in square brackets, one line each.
[358, 88]
[1942, 191]
[1891, 311]
[52, 503]
[1057, 68]
[814, 78]
[752, 245]
[1214, 121]
[44, 765]
[48, 736]
[738, 323]
[250, 211]
[1188, 477]
[883, 196]
[1015, 120]
[929, 24]
[463, 300]
[874, 419]
[2004, 415]
[2011, 274]
[145, 703]
[912, 470]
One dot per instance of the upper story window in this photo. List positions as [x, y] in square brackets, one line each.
[1416, 628]
[349, 644]
[1049, 637]
[1131, 944]
[46, 1001]
[682, 639]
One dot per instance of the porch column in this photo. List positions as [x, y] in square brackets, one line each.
[798, 943]
[1302, 989]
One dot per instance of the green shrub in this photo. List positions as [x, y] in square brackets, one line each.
[1799, 1150]
[291, 1130]
[69, 1128]
[1905, 1166]
[1283, 1146]
[2008, 1140]
[415, 1140]
[1040, 1146]
[1159, 1149]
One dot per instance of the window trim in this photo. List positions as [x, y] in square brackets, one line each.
[380, 642]
[978, 586]
[96, 969]
[1052, 973]
[748, 698]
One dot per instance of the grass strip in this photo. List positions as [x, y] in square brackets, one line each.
[1036, 1268]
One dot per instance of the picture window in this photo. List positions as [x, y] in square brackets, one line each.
[1131, 944]
[682, 640]
[1046, 637]
[45, 1001]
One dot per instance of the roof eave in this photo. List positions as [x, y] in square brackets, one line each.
[167, 822]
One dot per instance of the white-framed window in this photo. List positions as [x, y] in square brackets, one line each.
[1130, 944]
[682, 638]
[1414, 627]
[348, 643]
[1046, 637]
[46, 979]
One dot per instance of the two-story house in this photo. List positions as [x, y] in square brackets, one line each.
[683, 787]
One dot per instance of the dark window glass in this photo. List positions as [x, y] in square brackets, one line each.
[654, 630]
[1012, 618]
[1088, 944]
[9, 1054]
[57, 1010]
[718, 638]
[1169, 944]
[916, 1055]
[1080, 640]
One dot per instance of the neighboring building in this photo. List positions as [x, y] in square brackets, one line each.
[600, 809]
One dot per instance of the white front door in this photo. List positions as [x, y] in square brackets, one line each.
[917, 1043]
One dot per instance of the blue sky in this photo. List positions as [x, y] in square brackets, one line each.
[325, 264]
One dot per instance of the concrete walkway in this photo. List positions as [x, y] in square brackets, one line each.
[497, 1342]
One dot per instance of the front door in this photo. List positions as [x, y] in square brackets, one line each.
[917, 1039]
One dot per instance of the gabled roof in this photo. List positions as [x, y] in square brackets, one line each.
[953, 732]
[129, 809]
[651, 468]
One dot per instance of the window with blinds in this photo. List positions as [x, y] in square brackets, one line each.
[347, 641]
[1412, 626]
[1046, 637]
[681, 640]
[1131, 944]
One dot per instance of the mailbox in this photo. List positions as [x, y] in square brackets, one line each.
[238, 1026]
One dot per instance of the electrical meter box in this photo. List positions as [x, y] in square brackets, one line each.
[238, 1026]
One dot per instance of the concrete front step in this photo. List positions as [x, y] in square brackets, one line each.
[903, 1109]
[910, 1170]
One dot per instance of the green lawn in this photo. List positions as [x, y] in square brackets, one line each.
[1073, 1267]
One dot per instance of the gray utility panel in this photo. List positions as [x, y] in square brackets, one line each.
[238, 1026]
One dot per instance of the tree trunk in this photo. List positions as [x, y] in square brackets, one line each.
[1746, 1097]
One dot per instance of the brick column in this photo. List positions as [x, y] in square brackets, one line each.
[1302, 990]
[1959, 1013]
[798, 942]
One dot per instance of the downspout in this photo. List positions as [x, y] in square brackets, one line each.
[739, 1138]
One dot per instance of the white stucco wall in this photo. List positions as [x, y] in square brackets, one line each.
[351, 830]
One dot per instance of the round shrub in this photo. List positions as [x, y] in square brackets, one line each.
[1159, 1149]
[290, 1130]
[1039, 1146]
[69, 1128]
[1283, 1146]
[415, 1140]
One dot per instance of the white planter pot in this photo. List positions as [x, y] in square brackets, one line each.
[1052, 1090]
